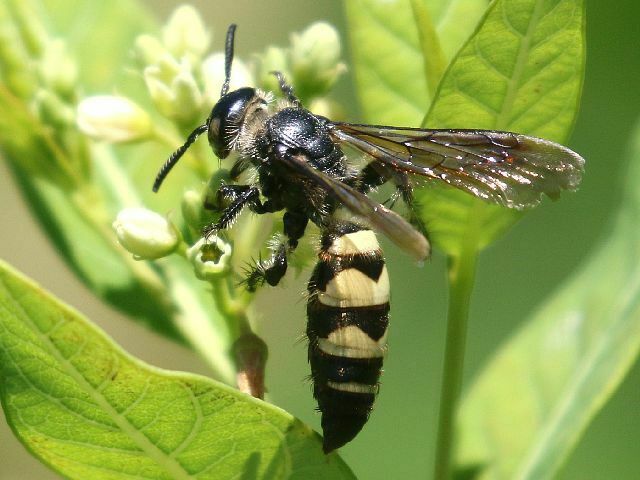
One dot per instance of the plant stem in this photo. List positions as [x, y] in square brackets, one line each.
[461, 277]
[249, 350]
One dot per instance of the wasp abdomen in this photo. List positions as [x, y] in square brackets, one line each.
[347, 325]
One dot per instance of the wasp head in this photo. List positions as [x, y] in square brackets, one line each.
[227, 117]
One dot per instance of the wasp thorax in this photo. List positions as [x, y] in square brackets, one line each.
[226, 119]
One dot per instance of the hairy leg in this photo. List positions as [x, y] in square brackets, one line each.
[231, 200]
[272, 270]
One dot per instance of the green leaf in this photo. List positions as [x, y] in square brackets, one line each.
[532, 403]
[521, 71]
[89, 410]
[454, 21]
[387, 62]
[432, 54]
[387, 42]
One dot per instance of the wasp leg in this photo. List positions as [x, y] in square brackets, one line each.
[236, 197]
[371, 176]
[224, 196]
[286, 89]
[406, 192]
[238, 167]
[272, 270]
[375, 174]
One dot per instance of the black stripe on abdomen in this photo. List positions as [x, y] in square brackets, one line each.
[347, 323]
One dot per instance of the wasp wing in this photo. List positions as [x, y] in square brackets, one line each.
[501, 167]
[386, 221]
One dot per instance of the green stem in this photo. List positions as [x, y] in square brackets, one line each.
[461, 278]
[194, 321]
[249, 350]
[233, 311]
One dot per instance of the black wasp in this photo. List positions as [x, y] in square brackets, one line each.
[302, 170]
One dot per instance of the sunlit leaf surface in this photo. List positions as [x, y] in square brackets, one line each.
[387, 57]
[90, 410]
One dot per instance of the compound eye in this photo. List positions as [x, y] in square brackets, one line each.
[214, 127]
[226, 118]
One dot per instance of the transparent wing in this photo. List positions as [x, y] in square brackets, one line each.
[501, 167]
[386, 221]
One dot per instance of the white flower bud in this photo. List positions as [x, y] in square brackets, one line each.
[327, 108]
[148, 50]
[192, 209]
[159, 91]
[146, 234]
[185, 33]
[52, 110]
[188, 99]
[315, 58]
[213, 76]
[112, 118]
[174, 90]
[210, 258]
[167, 67]
[57, 68]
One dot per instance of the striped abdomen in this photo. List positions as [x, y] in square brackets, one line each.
[347, 324]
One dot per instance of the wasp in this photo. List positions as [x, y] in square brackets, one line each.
[301, 169]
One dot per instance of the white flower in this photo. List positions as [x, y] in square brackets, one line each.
[112, 118]
[145, 234]
[210, 258]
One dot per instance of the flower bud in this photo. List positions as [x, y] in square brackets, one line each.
[192, 209]
[52, 110]
[185, 33]
[112, 118]
[327, 108]
[159, 91]
[16, 62]
[57, 69]
[315, 59]
[148, 50]
[187, 98]
[213, 76]
[210, 258]
[174, 90]
[146, 234]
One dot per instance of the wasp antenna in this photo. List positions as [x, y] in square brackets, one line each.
[228, 58]
[175, 156]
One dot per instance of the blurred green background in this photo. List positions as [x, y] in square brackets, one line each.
[514, 276]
